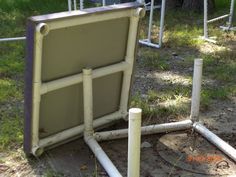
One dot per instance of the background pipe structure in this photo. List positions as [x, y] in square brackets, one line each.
[147, 41]
[206, 21]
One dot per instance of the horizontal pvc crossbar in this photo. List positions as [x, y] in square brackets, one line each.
[148, 43]
[78, 78]
[146, 130]
[78, 130]
[214, 139]
[218, 18]
[12, 39]
[68, 22]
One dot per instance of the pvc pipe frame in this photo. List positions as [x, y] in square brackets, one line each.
[40, 89]
[147, 41]
[206, 21]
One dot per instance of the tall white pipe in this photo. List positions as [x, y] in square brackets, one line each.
[131, 44]
[148, 43]
[88, 101]
[41, 30]
[163, 7]
[77, 78]
[134, 141]
[69, 5]
[218, 18]
[103, 2]
[150, 21]
[81, 4]
[12, 39]
[145, 130]
[231, 13]
[75, 5]
[196, 90]
[205, 19]
[214, 139]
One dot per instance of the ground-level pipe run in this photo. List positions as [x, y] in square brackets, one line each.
[214, 139]
[134, 141]
[102, 157]
[196, 89]
[146, 130]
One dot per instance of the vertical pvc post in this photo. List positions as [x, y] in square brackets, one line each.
[205, 19]
[163, 7]
[81, 4]
[75, 5]
[41, 31]
[88, 101]
[131, 44]
[103, 2]
[69, 5]
[150, 21]
[231, 13]
[134, 141]
[196, 90]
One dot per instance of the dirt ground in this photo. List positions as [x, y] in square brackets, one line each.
[162, 155]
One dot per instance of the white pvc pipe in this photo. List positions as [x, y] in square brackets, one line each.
[12, 39]
[150, 21]
[40, 32]
[214, 139]
[231, 13]
[146, 130]
[147, 43]
[196, 89]
[131, 46]
[81, 4]
[77, 78]
[86, 19]
[78, 130]
[163, 7]
[88, 101]
[75, 5]
[69, 5]
[134, 141]
[205, 19]
[218, 18]
[103, 2]
[102, 157]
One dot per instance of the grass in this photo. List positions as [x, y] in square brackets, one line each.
[171, 101]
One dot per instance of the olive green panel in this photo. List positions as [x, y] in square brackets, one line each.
[63, 108]
[67, 51]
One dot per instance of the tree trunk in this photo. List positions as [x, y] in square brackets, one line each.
[197, 5]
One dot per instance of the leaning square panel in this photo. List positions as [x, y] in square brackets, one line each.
[59, 47]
